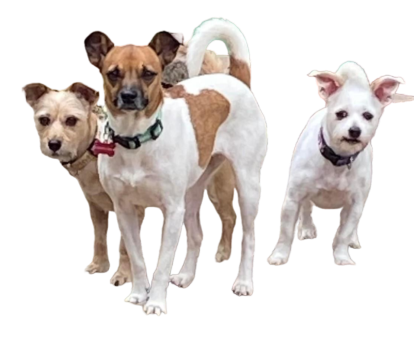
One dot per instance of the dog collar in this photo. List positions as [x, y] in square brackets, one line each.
[77, 165]
[152, 133]
[335, 159]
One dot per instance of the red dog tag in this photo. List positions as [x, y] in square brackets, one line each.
[103, 148]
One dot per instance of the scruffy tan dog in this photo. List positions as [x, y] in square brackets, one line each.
[67, 123]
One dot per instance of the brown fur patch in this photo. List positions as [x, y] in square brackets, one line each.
[208, 110]
[240, 70]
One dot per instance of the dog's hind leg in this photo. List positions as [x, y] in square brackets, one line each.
[221, 191]
[306, 229]
[123, 274]
[100, 262]
[290, 213]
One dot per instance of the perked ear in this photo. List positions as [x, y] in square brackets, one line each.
[84, 93]
[34, 92]
[166, 46]
[97, 45]
[328, 83]
[385, 87]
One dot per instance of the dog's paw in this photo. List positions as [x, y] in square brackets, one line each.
[98, 266]
[155, 307]
[223, 253]
[137, 298]
[307, 232]
[355, 243]
[182, 280]
[120, 278]
[243, 287]
[342, 256]
[280, 255]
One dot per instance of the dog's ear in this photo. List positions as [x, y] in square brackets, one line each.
[385, 88]
[328, 83]
[85, 94]
[166, 46]
[97, 45]
[34, 92]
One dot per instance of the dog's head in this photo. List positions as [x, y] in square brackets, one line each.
[63, 119]
[132, 74]
[354, 106]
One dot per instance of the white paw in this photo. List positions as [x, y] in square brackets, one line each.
[99, 265]
[182, 280]
[121, 277]
[223, 253]
[280, 255]
[137, 298]
[355, 243]
[342, 257]
[308, 232]
[155, 307]
[243, 287]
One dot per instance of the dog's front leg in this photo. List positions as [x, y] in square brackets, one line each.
[128, 222]
[100, 262]
[345, 236]
[173, 221]
[290, 213]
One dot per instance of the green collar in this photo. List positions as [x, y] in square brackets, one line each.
[152, 133]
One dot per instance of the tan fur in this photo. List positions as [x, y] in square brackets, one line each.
[240, 70]
[208, 110]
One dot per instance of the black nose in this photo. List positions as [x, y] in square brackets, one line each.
[129, 96]
[55, 145]
[354, 132]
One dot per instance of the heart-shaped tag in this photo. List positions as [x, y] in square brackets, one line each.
[103, 148]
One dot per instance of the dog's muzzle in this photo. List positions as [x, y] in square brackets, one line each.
[131, 99]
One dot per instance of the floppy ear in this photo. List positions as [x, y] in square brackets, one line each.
[166, 46]
[34, 92]
[328, 83]
[84, 93]
[385, 87]
[97, 45]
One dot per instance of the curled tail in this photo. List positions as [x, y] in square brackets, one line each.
[224, 30]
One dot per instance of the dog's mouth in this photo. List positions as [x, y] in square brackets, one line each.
[351, 141]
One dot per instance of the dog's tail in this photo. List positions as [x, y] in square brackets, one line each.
[397, 97]
[224, 30]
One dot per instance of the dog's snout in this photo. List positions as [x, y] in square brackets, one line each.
[129, 96]
[55, 145]
[354, 132]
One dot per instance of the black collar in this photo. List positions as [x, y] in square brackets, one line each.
[335, 159]
[135, 142]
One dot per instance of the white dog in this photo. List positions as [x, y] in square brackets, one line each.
[169, 143]
[331, 165]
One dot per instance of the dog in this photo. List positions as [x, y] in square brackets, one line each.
[71, 142]
[169, 143]
[332, 162]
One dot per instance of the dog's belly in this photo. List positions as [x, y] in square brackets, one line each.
[330, 199]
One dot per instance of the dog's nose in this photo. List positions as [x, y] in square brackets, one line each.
[129, 96]
[354, 132]
[55, 145]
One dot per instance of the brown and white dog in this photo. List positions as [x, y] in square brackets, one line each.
[67, 123]
[169, 144]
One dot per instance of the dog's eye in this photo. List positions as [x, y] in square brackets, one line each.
[114, 75]
[44, 121]
[71, 121]
[341, 115]
[367, 115]
[148, 75]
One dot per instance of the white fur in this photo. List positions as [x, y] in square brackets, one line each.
[314, 180]
[209, 31]
[165, 174]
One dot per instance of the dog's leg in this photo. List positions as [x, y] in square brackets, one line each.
[173, 221]
[221, 191]
[193, 199]
[290, 212]
[248, 189]
[123, 274]
[100, 262]
[345, 236]
[128, 222]
[307, 229]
